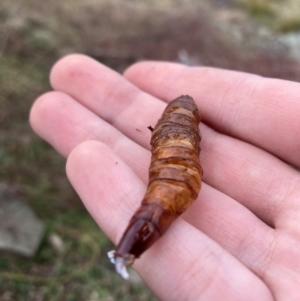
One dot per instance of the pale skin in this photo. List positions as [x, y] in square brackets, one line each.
[240, 240]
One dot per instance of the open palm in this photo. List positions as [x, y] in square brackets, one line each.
[240, 240]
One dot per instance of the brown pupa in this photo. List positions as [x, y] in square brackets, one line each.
[174, 181]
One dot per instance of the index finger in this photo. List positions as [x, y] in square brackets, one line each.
[262, 111]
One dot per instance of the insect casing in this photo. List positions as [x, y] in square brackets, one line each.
[174, 179]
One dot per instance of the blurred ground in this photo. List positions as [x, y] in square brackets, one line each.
[258, 36]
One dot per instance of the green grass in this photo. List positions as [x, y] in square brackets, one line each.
[281, 16]
[289, 25]
[258, 8]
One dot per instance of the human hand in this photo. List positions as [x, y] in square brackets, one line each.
[240, 240]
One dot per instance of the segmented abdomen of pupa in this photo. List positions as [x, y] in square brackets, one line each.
[175, 168]
[174, 177]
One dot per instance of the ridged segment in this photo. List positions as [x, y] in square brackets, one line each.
[174, 179]
[175, 156]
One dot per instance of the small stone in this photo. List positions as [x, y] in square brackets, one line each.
[57, 243]
[21, 231]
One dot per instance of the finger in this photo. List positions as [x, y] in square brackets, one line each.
[64, 123]
[258, 180]
[200, 269]
[258, 110]
[282, 271]
[262, 183]
[107, 94]
[271, 255]
[228, 223]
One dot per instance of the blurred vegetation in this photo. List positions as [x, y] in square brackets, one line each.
[289, 24]
[258, 8]
[34, 34]
[76, 270]
[281, 15]
[31, 42]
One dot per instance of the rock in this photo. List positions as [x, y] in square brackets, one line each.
[292, 40]
[21, 231]
[185, 58]
[57, 243]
